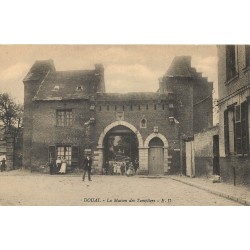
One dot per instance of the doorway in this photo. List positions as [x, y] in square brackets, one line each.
[156, 157]
[120, 148]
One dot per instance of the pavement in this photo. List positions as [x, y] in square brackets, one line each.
[21, 187]
[240, 194]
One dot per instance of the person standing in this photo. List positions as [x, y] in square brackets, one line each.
[136, 165]
[52, 167]
[58, 163]
[3, 165]
[63, 166]
[87, 167]
[106, 168]
[123, 168]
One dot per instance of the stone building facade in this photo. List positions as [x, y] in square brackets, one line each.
[67, 113]
[234, 112]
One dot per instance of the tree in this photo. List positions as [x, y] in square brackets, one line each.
[11, 115]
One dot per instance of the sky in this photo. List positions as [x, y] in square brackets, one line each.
[127, 68]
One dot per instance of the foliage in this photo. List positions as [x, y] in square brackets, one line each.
[11, 114]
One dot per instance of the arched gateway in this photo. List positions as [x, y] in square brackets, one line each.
[119, 129]
[145, 151]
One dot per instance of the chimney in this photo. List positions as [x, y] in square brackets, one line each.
[100, 74]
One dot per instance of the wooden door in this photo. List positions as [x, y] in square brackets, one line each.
[156, 165]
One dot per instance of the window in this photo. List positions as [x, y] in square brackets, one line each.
[64, 118]
[100, 108]
[147, 107]
[70, 153]
[75, 156]
[108, 107]
[52, 153]
[143, 123]
[236, 130]
[155, 107]
[247, 54]
[131, 107]
[163, 106]
[123, 107]
[65, 152]
[79, 88]
[230, 61]
[139, 107]
[56, 88]
[115, 107]
[244, 128]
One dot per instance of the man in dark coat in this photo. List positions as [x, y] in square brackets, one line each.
[87, 167]
[3, 165]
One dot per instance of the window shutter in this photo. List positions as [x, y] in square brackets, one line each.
[226, 132]
[244, 127]
[238, 133]
[52, 153]
[75, 156]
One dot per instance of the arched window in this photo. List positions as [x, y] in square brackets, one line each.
[143, 123]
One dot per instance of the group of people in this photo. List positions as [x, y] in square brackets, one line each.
[120, 168]
[58, 167]
[3, 165]
[116, 168]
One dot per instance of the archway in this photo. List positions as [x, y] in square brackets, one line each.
[121, 134]
[157, 154]
[120, 150]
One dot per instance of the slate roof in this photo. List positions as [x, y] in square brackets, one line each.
[181, 67]
[65, 85]
[39, 70]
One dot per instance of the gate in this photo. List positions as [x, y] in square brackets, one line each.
[156, 157]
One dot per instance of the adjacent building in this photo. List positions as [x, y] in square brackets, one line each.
[68, 113]
[234, 112]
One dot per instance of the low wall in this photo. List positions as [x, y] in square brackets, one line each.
[235, 170]
[203, 143]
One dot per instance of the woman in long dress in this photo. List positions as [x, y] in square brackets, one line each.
[63, 166]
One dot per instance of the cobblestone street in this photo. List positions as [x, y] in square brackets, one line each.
[25, 188]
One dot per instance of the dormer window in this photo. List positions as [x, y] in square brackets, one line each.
[79, 88]
[56, 88]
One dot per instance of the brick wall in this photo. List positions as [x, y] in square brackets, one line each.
[203, 143]
[30, 89]
[46, 132]
[158, 117]
[183, 104]
[203, 104]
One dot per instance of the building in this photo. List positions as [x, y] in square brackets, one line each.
[234, 101]
[67, 113]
